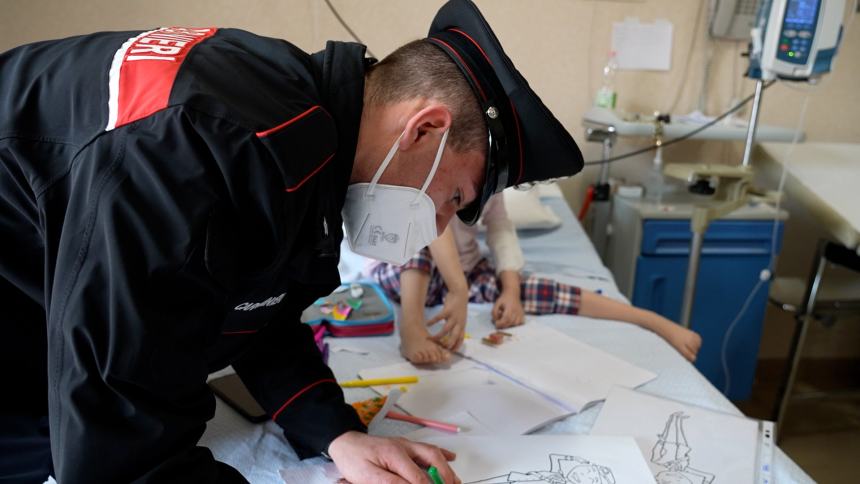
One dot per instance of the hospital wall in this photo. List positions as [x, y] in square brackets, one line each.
[560, 46]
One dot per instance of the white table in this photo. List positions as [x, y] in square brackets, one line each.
[824, 177]
[566, 254]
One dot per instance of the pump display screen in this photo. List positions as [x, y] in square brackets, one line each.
[798, 30]
[802, 12]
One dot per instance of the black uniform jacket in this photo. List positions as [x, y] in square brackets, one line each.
[172, 200]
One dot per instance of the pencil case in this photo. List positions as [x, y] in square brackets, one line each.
[369, 311]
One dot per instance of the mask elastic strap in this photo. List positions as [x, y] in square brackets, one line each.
[434, 167]
[384, 165]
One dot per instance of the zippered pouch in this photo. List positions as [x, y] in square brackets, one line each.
[369, 311]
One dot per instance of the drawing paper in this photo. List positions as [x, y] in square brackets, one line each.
[406, 368]
[492, 399]
[547, 459]
[538, 375]
[533, 459]
[311, 471]
[391, 400]
[683, 443]
[571, 372]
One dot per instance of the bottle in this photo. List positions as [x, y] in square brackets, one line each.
[655, 182]
[606, 95]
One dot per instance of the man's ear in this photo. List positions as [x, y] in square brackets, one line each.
[432, 119]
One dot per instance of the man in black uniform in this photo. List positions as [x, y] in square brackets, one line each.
[171, 200]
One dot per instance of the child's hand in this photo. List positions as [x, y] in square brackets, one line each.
[508, 310]
[686, 341]
[454, 313]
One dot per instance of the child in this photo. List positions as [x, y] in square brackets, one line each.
[452, 271]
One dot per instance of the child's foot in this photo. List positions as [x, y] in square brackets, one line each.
[417, 347]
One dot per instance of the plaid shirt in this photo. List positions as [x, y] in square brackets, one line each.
[539, 295]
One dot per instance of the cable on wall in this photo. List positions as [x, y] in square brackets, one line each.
[682, 137]
[346, 26]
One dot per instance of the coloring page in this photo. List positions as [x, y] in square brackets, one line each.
[547, 459]
[682, 443]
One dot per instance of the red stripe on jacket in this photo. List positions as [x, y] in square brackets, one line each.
[149, 69]
[299, 393]
[263, 134]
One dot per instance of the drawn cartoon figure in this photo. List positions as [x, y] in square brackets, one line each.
[563, 469]
[672, 452]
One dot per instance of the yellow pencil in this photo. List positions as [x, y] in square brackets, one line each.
[379, 381]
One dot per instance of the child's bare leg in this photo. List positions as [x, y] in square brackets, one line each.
[415, 343]
[687, 342]
[546, 296]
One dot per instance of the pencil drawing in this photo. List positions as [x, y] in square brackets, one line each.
[673, 452]
[563, 469]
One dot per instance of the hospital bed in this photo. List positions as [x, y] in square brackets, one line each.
[259, 451]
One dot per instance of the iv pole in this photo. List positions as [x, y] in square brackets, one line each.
[734, 182]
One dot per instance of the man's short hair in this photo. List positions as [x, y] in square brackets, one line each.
[420, 69]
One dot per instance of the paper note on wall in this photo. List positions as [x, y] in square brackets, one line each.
[642, 46]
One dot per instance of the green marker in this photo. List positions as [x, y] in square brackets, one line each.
[433, 472]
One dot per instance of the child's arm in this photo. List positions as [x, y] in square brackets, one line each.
[508, 256]
[416, 344]
[594, 305]
[454, 311]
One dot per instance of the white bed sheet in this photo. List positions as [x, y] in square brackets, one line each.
[260, 451]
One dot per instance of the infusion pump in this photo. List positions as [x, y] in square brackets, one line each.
[795, 39]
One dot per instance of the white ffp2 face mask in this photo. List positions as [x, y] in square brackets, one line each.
[388, 222]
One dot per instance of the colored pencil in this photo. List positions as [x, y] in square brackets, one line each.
[379, 381]
[424, 421]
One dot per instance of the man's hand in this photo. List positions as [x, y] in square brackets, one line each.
[454, 312]
[362, 458]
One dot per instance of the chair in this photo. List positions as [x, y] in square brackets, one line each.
[821, 299]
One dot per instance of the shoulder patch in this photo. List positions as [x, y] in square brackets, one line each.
[302, 145]
[143, 71]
